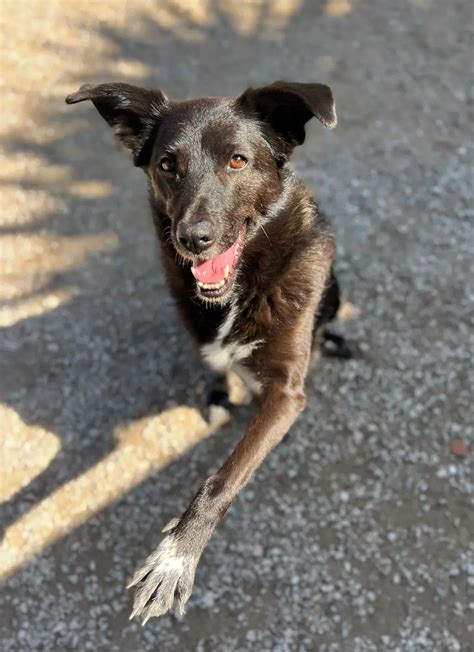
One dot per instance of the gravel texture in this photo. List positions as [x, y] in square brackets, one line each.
[357, 534]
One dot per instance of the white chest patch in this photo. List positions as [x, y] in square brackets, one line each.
[228, 357]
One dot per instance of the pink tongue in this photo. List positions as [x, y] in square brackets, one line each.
[213, 270]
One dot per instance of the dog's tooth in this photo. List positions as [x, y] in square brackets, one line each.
[211, 286]
[226, 271]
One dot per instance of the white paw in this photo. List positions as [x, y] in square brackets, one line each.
[164, 581]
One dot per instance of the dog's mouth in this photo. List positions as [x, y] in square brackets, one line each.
[214, 277]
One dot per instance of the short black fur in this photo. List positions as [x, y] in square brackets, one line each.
[249, 262]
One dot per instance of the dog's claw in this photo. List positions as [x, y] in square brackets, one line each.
[146, 619]
[133, 582]
[171, 524]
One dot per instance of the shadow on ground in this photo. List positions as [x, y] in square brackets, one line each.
[358, 527]
[103, 357]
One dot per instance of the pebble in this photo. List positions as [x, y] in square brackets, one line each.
[459, 448]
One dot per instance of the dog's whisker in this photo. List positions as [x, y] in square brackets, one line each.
[266, 234]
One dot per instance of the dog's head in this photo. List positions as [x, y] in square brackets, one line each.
[214, 164]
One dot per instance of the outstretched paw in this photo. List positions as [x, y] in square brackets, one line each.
[164, 581]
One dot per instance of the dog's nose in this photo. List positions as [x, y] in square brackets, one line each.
[196, 237]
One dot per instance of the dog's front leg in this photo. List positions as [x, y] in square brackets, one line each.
[167, 576]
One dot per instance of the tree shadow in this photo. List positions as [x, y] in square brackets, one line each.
[101, 357]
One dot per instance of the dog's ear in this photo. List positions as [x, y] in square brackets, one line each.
[287, 107]
[133, 112]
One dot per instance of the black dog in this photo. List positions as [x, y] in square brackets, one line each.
[253, 278]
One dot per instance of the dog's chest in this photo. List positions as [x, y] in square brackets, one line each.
[223, 356]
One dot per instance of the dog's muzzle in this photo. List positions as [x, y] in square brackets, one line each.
[215, 276]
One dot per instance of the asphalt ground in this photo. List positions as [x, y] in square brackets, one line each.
[357, 534]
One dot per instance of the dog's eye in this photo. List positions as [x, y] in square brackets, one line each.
[237, 162]
[167, 165]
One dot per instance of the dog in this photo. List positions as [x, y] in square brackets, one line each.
[249, 262]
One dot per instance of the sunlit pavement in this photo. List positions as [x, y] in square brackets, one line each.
[357, 534]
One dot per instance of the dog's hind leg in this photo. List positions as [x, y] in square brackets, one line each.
[326, 343]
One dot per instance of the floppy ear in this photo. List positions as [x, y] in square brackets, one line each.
[287, 107]
[133, 112]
